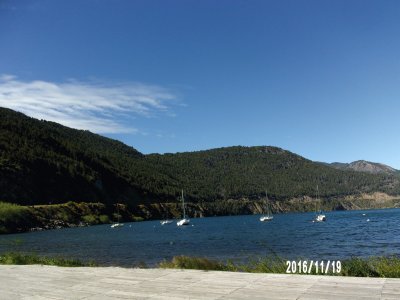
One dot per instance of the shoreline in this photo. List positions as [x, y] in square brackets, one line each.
[22, 219]
[374, 266]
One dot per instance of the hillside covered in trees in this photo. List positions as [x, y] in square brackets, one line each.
[43, 162]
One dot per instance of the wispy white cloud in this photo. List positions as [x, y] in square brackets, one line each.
[95, 106]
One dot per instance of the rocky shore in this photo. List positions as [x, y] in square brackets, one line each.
[71, 214]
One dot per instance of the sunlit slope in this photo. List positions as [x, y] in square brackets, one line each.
[236, 172]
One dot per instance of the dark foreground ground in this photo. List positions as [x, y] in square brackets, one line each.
[49, 282]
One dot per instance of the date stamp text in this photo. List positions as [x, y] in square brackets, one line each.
[313, 267]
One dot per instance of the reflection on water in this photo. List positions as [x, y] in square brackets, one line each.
[290, 236]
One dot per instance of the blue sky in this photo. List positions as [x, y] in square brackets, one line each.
[318, 78]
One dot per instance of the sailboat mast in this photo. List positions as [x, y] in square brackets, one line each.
[266, 199]
[183, 206]
[316, 211]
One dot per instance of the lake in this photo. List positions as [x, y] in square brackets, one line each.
[238, 238]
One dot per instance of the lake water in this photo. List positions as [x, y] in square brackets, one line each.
[291, 236]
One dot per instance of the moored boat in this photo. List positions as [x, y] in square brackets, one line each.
[268, 217]
[319, 217]
[184, 220]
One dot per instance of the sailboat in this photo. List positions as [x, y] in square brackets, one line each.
[117, 224]
[319, 217]
[184, 220]
[166, 221]
[268, 216]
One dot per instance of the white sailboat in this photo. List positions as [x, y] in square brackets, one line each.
[184, 220]
[319, 217]
[166, 221]
[117, 224]
[268, 216]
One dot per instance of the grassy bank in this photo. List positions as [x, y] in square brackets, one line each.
[385, 267]
[13, 258]
[358, 267]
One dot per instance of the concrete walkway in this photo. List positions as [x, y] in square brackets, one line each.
[46, 282]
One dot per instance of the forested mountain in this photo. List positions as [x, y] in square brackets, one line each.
[236, 172]
[43, 162]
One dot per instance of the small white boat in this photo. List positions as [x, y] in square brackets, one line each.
[115, 225]
[319, 217]
[268, 217]
[166, 222]
[184, 220]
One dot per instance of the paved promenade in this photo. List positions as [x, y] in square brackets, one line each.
[46, 282]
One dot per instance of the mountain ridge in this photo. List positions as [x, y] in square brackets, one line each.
[44, 162]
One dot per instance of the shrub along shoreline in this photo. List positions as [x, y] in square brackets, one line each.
[384, 267]
[15, 258]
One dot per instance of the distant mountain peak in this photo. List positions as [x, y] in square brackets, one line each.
[365, 166]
